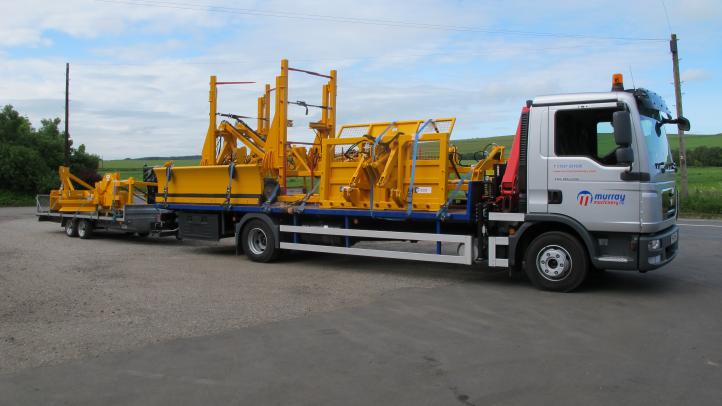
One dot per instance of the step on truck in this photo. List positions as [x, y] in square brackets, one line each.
[588, 184]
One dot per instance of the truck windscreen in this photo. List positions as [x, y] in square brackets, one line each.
[657, 144]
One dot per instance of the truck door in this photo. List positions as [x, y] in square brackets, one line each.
[584, 179]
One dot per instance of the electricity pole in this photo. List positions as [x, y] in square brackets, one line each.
[67, 114]
[678, 100]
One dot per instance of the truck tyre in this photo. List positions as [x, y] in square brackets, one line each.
[85, 229]
[71, 227]
[556, 261]
[258, 241]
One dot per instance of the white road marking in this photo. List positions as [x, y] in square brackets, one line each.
[699, 225]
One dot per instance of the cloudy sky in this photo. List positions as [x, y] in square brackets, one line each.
[139, 68]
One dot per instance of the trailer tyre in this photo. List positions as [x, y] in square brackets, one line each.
[556, 261]
[71, 228]
[85, 229]
[258, 241]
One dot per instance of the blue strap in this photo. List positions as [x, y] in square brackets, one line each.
[378, 139]
[267, 204]
[410, 195]
[443, 211]
[231, 173]
[168, 176]
[302, 206]
[373, 158]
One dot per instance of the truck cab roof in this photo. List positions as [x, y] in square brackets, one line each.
[580, 98]
[649, 101]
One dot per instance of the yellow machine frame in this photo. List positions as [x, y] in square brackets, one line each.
[108, 194]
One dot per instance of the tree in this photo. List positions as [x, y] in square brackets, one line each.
[29, 158]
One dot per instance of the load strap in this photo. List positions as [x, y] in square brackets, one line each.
[168, 177]
[267, 203]
[302, 206]
[373, 158]
[410, 195]
[231, 174]
[444, 210]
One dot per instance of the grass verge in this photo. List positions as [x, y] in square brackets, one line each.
[12, 199]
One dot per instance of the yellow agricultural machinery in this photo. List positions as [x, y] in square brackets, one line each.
[110, 203]
[389, 166]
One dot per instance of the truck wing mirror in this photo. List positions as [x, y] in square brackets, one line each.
[622, 123]
[683, 124]
[624, 155]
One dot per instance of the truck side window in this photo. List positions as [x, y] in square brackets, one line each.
[605, 139]
[585, 132]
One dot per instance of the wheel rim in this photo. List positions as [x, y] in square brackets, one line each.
[554, 263]
[82, 228]
[69, 228]
[257, 241]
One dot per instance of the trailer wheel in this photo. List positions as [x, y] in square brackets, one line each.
[556, 261]
[258, 241]
[71, 227]
[85, 229]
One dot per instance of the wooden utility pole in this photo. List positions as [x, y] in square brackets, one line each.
[678, 100]
[67, 113]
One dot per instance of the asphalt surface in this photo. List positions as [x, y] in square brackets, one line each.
[341, 330]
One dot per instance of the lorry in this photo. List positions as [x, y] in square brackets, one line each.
[588, 185]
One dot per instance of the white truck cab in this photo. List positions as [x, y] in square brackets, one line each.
[598, 167]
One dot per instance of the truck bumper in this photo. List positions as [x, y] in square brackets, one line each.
[656, 250]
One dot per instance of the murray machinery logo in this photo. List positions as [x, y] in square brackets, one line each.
[587, 198]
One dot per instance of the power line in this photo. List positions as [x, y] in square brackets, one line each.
[419, 54]
[366, 21]
[666, 15]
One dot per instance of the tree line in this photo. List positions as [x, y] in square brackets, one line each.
[29, 157]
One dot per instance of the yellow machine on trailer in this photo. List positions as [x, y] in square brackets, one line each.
[111, 203]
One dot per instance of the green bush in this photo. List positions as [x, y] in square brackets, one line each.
[8, 198]
[702, 156]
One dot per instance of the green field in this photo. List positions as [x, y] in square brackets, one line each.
[691, 141]
[472, 145]
[705, 192]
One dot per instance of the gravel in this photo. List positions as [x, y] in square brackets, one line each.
[63, 298]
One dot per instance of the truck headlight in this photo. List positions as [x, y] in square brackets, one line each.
[674, 237]
[654, 245]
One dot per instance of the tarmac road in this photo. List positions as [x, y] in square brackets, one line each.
[189, 323]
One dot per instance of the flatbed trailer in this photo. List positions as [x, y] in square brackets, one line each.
[317, 229]
[139, 219]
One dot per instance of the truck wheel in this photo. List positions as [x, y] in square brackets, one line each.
[71, 228]
[556, 261]
[85, 229]
[258, 241]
